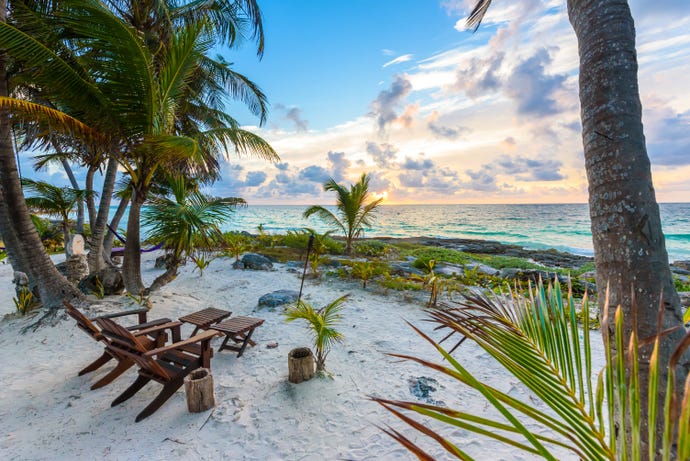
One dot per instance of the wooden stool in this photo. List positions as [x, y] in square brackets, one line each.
[240, 330]
[204, 318]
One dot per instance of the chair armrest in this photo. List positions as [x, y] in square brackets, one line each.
[157, 328]
[143, 326]
[141, 312]
[201, 337]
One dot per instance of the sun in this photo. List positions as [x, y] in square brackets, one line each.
[381, 195]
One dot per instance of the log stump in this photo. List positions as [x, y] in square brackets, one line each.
[300, 365]
[198, 386]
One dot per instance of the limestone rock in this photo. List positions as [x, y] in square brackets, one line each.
[109, 277]
[278, 298]
[482, 268]
[257, 262]
[77, 266]
[76, 245]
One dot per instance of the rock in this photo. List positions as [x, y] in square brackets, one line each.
[404, 268]
[257, 262]
[278, 298]
[77, 267]
[679, 270]
[75, 247]
[422, 387]
[238, 264]
[164, 261]
[110, 278]
[684, 298]
[272, 345]
[532, 275]
[20, 279]
[685, 265]
[482, 268]
[450, 270]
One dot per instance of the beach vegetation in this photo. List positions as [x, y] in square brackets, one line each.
[187, 223]
[364, 271]
[53, 201]
[50, 235]
[99, 289]
[353, 210]
[235, 244]
[24, 301]
[322, 324]
[681, 284]
[374, 249]
[538, 341]
[399, 283]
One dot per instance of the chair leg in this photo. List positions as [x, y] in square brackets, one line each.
[168, 390]
[121, 367]
[96, 364]
[131, 390]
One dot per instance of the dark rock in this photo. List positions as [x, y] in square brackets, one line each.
[404, 268]
[533, 275]
[422, 387]
[238, 264]
[679, 270]
[684, 298]
[278, 298]
[450, 270]
[109, 277]
[685, 265]
[332, 263]
[482, 269]
[257, 262]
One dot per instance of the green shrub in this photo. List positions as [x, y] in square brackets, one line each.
[25, 301]
[373, 249]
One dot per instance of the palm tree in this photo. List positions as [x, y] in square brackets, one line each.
[140, 94]
[185, 224]
[353, 213]
[322, 323]
[54, 201]
[629, 247]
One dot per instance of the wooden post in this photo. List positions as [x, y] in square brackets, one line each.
[300, 365]
[198, 385]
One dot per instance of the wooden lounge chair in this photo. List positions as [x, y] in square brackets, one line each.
[150, 338]
[167, 365]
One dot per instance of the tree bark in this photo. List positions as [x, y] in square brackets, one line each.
[53, 288]
[96, 257]
[131, 266]
[114, 224]
[75, 185]
[90, 200]
[629, 248]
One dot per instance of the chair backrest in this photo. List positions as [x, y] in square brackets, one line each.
[83, 322]
[125, 344]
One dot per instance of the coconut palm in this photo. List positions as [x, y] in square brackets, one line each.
[353, 213]
[54, 201]
[141, 95]
[322, 323]
[185, 222]
[629, 248]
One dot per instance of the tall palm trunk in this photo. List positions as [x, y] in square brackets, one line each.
[90, 200]
[10, 239]
[629, 248]
[29, 251]
[114, 224]
[131, 266]
[96, 260]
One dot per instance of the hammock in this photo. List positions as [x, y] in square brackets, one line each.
[119, 251]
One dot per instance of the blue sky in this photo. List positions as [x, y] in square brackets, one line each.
[436, 114]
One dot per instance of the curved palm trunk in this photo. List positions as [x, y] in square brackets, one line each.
[629, 246]
[90, 200]
[96, 260]
[27, 249]
[131, 265]
[114, 224]
[10, 239]
[75, 185]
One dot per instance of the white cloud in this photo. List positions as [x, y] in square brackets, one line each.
[398, 60]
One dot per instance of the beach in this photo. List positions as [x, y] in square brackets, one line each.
[48, 412]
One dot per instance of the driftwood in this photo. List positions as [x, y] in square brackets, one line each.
[198, 386]
[300, 365]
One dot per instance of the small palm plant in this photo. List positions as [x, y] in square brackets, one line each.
[432, 282]
[322, 323]
[187, 224]
[236, 244]
[54, 201]
[539, 342]
[363, 270]
[354, 214]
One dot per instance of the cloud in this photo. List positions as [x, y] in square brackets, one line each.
[479, 76]
[294, 115]
[236, 181]
[483, 180]
[382, 154]
[532, 88]
[424, 174]
[314, 173]
[528, 169]
[384, 106]
[417, 164]
[398, 60]
[668, 137]
[447, 132]
[255, 178]
[339, 165]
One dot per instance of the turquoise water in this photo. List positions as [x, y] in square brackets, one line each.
[564, 227]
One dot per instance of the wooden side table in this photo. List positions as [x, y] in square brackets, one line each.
[204, 318]
[240, 330]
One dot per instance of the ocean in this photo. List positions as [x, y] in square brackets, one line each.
[563, 227]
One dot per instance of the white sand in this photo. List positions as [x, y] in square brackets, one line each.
[48, 412]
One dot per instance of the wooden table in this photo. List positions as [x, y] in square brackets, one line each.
[204, 318]
[240, 330]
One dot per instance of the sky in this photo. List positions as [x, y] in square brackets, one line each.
[434, 113]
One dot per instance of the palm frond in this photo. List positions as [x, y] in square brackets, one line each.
[477, 15]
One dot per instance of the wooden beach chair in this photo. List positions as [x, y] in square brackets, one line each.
[167, 365]
[150, 337]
